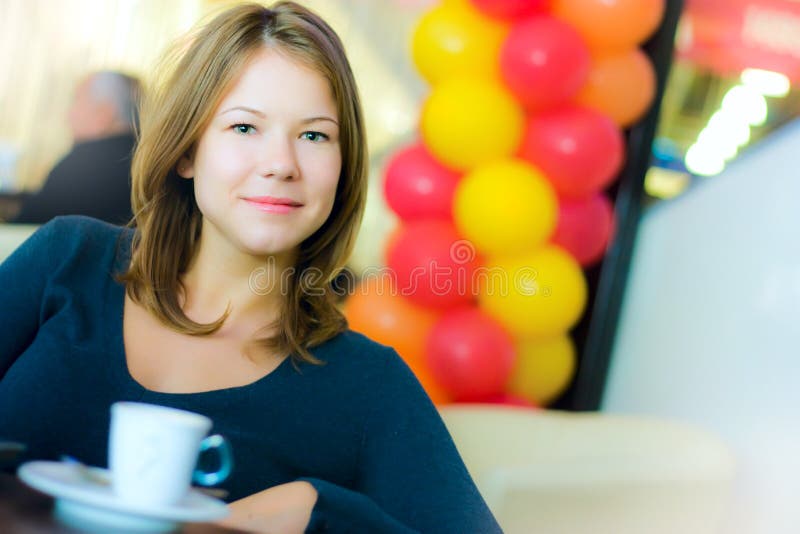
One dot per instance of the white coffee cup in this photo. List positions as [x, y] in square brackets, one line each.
[153, 452]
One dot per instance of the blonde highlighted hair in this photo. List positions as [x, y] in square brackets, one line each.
[177, 108]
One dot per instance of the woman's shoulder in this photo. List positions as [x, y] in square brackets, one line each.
[356, 347]
[355, 354]
[74, 251]
[77, 228]
[369, 374]
[76, 236]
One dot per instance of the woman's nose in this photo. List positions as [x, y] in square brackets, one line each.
[279, 159]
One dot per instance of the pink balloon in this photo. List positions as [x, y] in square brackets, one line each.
[544, 62]
[585, 227]
[469, 354]
[434, 266]
[419, 187]
[579, 149]
[511, 9]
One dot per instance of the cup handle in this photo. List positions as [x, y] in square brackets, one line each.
[223, 448]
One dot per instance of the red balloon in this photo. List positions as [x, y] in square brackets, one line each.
[544, 62]
[579, 149]
[511, 9]
[389, 240]
[469, 354]
[434, 266]
[585, 227]
[419, 187]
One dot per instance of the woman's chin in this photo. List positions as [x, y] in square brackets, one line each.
[280, 252]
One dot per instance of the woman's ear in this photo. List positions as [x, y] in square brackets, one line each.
[185, 168]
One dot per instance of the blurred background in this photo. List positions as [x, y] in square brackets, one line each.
[48, 46]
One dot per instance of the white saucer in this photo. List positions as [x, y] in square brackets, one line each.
[89, 500]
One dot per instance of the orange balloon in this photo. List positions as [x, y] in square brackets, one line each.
[620, 85]
[376, 310]
[611, 24]
[438, 395]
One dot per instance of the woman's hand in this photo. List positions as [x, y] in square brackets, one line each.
[284, 509]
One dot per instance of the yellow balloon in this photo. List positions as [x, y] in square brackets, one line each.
[505, 207]
[454, 39]
[543, 369]
[470, 121]
[539, 294]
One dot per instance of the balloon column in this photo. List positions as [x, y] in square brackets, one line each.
[502, 199]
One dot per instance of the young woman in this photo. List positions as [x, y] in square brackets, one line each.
[248, 189]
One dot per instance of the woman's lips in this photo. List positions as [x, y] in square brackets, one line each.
[273, 204]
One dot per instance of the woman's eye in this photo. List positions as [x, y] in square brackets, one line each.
[315, 136]
[243, 128]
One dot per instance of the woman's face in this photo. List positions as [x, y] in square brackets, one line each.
[266, 168]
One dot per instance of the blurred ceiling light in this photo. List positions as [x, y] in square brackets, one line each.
[732, 125]
[719, 142]
[703, 161]
[747, 103]
[766, 82]
[665, 183]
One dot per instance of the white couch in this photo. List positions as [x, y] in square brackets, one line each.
[591, 473]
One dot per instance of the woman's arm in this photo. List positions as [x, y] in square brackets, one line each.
[411, 477]
[289, 509]
[23, 278]
[281, 509]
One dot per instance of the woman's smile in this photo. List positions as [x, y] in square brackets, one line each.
[274, 204]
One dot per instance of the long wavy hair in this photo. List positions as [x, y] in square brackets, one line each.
[191, 81]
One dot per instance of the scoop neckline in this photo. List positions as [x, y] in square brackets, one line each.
[117, 301]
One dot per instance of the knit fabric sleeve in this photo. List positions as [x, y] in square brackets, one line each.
[411, 477]
[24, 276]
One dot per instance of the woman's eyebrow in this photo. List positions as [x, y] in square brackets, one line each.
[320, 118]
[245, 108]
[263, 115]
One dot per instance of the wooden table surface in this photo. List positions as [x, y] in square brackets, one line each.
[24, 510]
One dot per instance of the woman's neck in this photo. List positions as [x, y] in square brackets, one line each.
[252, 288]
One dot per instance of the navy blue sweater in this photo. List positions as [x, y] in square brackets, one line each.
[360, 428]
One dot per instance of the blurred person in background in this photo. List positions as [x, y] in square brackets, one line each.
[94, 177]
